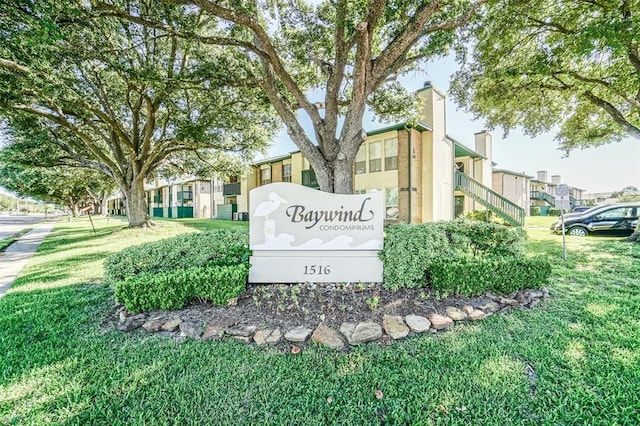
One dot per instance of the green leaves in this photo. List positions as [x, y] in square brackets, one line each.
[542, 63]
[410, 250]
[214, 248]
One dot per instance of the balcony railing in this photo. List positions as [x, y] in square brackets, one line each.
[503, 207]
[230, 189]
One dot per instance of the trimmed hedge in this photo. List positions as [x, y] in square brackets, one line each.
[214, 248]
[173, 290]
[409, 250]
[473, 276]
[555, 212]
[535, 210]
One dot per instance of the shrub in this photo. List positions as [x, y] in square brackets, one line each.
[554, 212]
[470, 276]
[173, 290]
[535, 210]
[410, 249]
[408, 252]
[214, 248]
[484, 238]
[479, 215]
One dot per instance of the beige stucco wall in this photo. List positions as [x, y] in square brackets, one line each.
[514, 188]
[376, 180]
[437, 155]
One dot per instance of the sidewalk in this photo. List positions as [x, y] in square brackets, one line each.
[16, 256]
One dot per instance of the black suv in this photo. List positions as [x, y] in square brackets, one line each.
[618, 218]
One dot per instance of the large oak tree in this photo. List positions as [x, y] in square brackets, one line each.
[129, 98]
[544, 63]
[322, 63]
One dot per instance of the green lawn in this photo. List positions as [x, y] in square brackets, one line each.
[574, 360]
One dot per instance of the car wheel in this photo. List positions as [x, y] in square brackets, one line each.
[578, 231]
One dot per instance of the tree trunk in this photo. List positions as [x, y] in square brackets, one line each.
[635, 237]
[343, 177]
[104, 204]
[136, 204]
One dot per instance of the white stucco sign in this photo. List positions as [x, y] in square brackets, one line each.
[301, 234]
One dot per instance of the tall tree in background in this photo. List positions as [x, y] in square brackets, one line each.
[328, 61]
[34, 164]
[65, 186]
[544, 63]
[127, 99]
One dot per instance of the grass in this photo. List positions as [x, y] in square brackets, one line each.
[6, 242]
[574, 360]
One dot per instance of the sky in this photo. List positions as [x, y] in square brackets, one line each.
[606, 168]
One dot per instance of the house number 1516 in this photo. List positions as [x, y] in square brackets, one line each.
[317, 269]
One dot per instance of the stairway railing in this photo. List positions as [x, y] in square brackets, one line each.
[491, 200]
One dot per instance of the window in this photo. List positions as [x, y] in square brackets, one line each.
[391, 154]
[618, 213]
[391, 202]
[361, 161]
[265, 176]
[375, 157]
[286, 172]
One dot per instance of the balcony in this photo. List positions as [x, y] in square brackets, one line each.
[185, 195]
[231, 189]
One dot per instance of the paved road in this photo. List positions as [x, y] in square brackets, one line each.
[16, 256]
[10, 224]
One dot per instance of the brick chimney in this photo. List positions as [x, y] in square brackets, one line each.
[542, 176]
[555, 179]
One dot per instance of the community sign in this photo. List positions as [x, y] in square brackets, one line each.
[300, 234]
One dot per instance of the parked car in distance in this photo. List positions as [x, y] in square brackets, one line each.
[619, 218]
[580, 209]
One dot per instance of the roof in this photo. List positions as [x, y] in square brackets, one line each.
[420, 126]
[509, 172]
[463, 151]
[274, 159]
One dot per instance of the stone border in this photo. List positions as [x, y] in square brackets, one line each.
[349, 334]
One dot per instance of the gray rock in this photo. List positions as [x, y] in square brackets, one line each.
[417, 324]
[523, 297]
[534, 303]
[298, 334]
[545, 292]
[191, 329]
[130, 323]
[266, 337]
[347, 328]
[455, 313]
[490, 307]
[536, 294]
[508, 301]
[212, 332]
[243, 339]
[325, 335]
[467, 309]
[477, 315]
[241, 330]
[440, 322]
[171, 325]
[153, 325]
[395, 326]
[361, 333]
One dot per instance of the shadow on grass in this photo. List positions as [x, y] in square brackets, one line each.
[58, 270]
[210, 224]
[61, 239]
